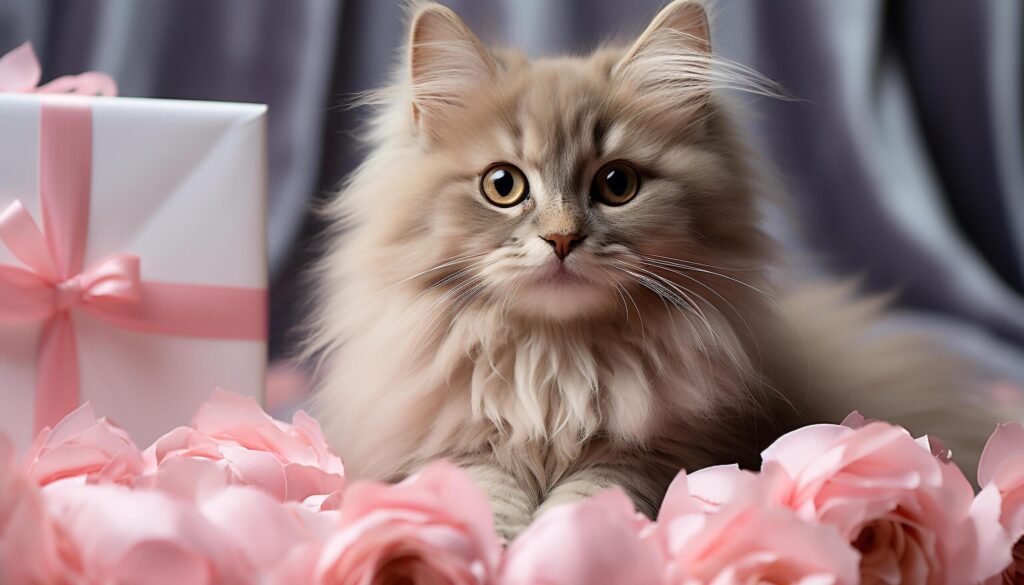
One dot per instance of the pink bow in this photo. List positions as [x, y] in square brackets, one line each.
[20, 72]
[53, 284]
[44, 292]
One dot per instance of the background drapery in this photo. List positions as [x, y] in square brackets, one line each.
[903, 153]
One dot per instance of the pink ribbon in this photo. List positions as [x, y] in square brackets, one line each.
[52, 283]
[20, 72]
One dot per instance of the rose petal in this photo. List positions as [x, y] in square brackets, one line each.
[593, 541]
[108, 522]
[797, 450]
[678, 500]
[161, 562]
[855, 420]
[1007, 442]
[257, 468]
[257, 523]
[28, 547]
[19, 69]
[82, 446]
[720, 484]
[303, 481]
[749, 542]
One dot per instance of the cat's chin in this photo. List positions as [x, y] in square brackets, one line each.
[561, 301]
[562, 296]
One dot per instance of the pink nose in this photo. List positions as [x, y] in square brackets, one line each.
[563, 243]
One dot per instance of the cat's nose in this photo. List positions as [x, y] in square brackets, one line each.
[563, 243]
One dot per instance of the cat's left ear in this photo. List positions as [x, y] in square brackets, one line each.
[447, 62]
[673, 55]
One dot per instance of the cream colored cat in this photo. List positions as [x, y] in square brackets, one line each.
[552, 273]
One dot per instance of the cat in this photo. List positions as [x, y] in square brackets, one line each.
[553, 273]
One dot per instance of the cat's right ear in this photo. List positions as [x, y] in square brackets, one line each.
[671, 61]
[446, 63]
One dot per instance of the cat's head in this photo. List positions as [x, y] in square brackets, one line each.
[554, 188]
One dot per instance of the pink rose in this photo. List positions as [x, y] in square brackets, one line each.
[85, 448]
[118, 535]
[749, 540]
[1001, 476]
[234, 437]
[599, 540]
[238, 534]
[1001, 469]
[710, 488]
[264, 530]
[856, 420]
[435, 528]
[1014, 573]
[28, 544]
[907, 511]
[317, 526]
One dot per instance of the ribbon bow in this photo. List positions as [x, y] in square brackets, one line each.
[20, 73]
[44, 291]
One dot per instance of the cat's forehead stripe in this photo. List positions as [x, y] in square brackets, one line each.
[563, 132]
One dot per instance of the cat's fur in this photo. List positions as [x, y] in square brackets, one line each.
[447, 331]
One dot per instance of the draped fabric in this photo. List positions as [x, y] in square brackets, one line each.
[903, 152]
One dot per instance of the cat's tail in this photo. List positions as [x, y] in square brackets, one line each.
[851, 357]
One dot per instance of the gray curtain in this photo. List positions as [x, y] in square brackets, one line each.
[902, 153]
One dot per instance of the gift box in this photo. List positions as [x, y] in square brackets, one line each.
[132, 258]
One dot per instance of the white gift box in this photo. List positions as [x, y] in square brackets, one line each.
[180, 185]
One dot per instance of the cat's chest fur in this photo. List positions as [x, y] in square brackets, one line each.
[546, 389]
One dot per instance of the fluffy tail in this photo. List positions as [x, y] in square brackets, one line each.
[852, 358]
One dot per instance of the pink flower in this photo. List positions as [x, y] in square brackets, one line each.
[434, 528]
[1001, 476]
[856, 420]
[907, 511]
[85, 448]
[28, 546]
[260, 527]
[316, 526]
[599, 540]
[749, 540]
[234, 439]
[118, 535]
[1014, 573]
[710, 488]
[1001, 469]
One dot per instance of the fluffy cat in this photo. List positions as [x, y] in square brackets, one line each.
[552, 272]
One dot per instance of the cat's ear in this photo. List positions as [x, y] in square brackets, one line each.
[446, 63]
[673, 55]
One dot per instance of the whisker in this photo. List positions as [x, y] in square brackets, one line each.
[679, 304]
[698, 311]
[444, 264]
[684, 266]
[442, 300]
[695, 263]
[680, 294]
[640, 316]
[466, 296]
[479, 291]
[451, 277]
[623, 290]
[753, 336]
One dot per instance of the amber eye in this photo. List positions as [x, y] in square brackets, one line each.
[616, 183]
[504, 185]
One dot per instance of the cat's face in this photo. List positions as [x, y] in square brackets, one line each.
[563, 188]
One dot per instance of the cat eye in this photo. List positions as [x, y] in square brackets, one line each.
[504, 185]
[616, 183]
